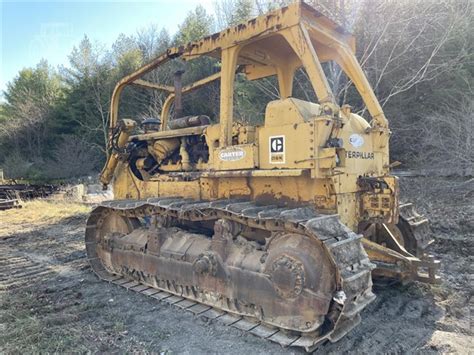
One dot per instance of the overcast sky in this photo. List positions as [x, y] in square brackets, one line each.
[32, 30]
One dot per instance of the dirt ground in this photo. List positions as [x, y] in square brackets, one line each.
[50, 301]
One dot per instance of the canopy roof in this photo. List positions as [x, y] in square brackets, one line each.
[261, 42]
[276, 43]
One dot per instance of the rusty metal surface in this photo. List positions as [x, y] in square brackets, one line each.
[311, 270]
[25, 191]
[415, 229]
[398, 250]
[6, 204]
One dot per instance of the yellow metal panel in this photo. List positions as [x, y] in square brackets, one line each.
[247, 134]
[188, 189]
[351, 67]
[361, 156]
[290, 111]
[229, 62]
[298, 38]
[127, 186]
[326, 158]
[292, 190]
[287, 146]
[251, 30]
[147, 188]
[254, 72]
[122, 183]
[253, 173]
[347, 208]
[282, 190]
[233, 188]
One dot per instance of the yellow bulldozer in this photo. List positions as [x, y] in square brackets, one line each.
[276, 229]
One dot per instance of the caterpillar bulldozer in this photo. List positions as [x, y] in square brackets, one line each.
[276, 229]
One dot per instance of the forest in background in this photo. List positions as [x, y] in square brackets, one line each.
[417, 54]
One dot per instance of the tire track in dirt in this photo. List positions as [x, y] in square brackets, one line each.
[18, 270]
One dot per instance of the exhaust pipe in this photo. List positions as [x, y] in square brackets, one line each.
[178, 91]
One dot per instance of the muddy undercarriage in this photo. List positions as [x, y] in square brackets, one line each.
[308, 280]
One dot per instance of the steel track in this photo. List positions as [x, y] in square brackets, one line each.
[342, 245]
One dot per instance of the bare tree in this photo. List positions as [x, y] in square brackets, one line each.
[446, 139]
[409, 48]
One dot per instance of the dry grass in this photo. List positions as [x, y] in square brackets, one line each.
[39, 213]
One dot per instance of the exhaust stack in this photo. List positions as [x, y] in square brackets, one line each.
[178, 97]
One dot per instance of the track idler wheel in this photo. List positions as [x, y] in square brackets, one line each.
[414, 229]
[302, 276]
[102, 226]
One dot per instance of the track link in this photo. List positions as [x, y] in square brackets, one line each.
[415, 229]
[354, 283]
